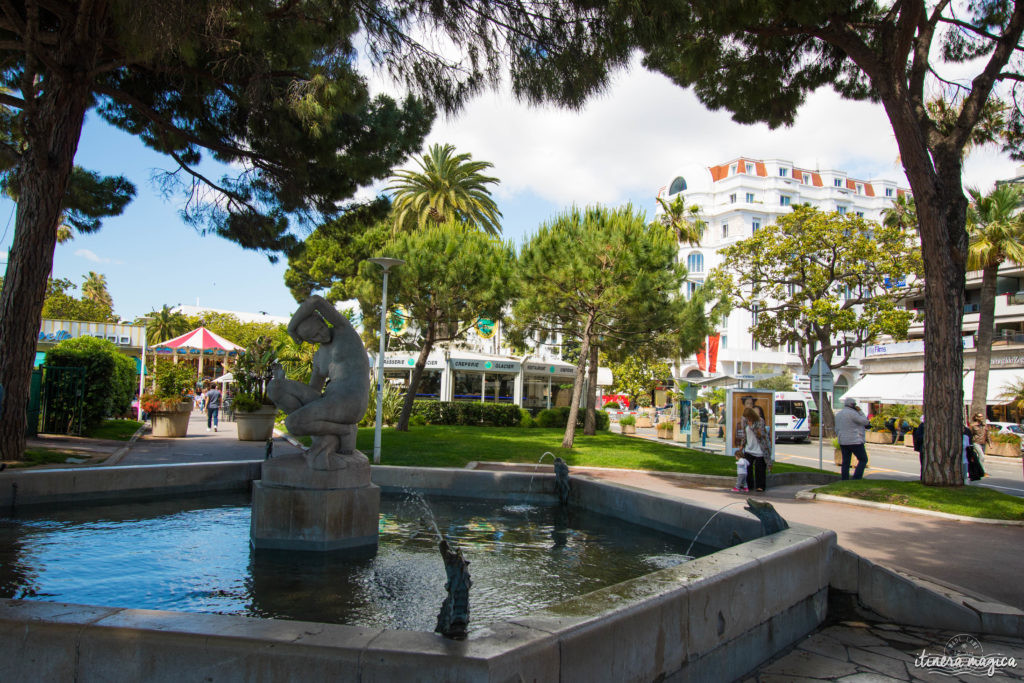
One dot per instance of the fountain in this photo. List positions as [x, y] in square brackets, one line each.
[713, 618]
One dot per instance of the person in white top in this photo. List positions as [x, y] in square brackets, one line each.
[752, 437]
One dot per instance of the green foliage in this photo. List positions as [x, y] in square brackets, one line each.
[525, 419]
[173, 380]
[246, 403]
[612, 405]
[417, 421]
[449, 187]
[1013, 393]
[391, 405]
[254, 369]
[229, 326]
[116, 430]
[819, 277]
[627, 421]
[60, 305]
[643, 400]
[783, 382]
[550, 417]
[1005, 438]
[637, 376]
[468, 413]
[559, 417]
[109, 376]
[901, 412]
[164, 325]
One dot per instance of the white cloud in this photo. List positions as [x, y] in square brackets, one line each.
[631, 140]
[89, 255]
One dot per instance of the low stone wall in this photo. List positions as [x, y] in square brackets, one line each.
[715, 618]
[69, 486]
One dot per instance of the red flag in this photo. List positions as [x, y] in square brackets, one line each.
[701, 362]
[713, 351]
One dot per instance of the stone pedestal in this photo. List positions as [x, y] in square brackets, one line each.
[297, 508]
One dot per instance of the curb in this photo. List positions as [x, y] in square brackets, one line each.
[119, 454]
[807, 494]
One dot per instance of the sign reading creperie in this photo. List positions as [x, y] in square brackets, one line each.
[484, 365]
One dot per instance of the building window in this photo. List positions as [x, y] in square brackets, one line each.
[692, 286]
[841, 210]
[805, 178]
[860, 214]
[784, 200]
[732, 198]
[695, 262]
[724, 343]
[860, 189]
[889, 192]
[750, 198]
[838, 182]
[783, 172]
[678, 185]
[750, 168]
[791, 347]
[755, 225]
[725, 230]
[732, 170]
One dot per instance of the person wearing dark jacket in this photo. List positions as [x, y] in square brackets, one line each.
[918, 436]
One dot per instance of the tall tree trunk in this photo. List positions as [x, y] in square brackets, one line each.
[53, 126]
[414, 381]
[983, 347]
[590, 421]
[577, 387]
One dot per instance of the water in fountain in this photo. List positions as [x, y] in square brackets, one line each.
[704, 526]
[194, 555]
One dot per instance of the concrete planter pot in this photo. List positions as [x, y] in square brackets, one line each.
[629, 429]
[837, 456]
[665, 430]
[172, 423]
[878, 437]
[643, 421]
[257, 425]
[1010, 450]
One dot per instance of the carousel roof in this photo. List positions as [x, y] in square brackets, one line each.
[202, 339]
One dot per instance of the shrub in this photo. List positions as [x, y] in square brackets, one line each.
[417, 421]
[612, 405]
[246, 403]
[628, 420]
[525, 419]
[551, 417]
[643, 400]
[109, 377]
[391, 406]
[467, 414]
[1005, 438]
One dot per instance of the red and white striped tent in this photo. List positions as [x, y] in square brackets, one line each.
[201, 339]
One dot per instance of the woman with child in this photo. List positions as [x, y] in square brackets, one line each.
[754, 446]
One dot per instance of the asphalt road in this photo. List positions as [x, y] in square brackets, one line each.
[888, 462]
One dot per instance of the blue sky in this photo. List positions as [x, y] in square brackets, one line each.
[622, 147]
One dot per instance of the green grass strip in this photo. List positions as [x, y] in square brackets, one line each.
[969, 501]
[116, 430]
[453, 446]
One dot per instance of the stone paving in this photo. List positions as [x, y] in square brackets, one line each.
[858, 651]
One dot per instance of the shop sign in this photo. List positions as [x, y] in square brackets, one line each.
[60, 335]
[550, 369]
[408, 362]
[484, 365]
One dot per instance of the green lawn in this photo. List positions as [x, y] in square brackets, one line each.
[117, 430]
[449, 446]
[970, 501]
[44, 456]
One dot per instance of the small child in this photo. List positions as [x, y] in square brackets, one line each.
[741, 473]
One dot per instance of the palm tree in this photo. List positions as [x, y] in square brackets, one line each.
[94, 288]
[1013, 393]
[902, 213]
[165, 324]
[686, 220]
[449, 187]
[997, 234]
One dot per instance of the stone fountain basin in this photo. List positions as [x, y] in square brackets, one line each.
[715, 618]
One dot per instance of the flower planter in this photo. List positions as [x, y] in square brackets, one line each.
[629, 429]
[257, 425]
[878, 437]
[837, 456]
[643, 421]
[1011, 450]
[172, 423]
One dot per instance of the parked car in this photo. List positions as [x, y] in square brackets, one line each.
[1007, 428]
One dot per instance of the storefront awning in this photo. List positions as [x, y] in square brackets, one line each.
[907, 388]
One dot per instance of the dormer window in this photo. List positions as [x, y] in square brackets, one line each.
[783, 172]
[838, 182]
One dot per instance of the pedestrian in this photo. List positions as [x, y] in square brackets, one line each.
[702, 416]
[741, 473]
[721, 422]
[905, 429]
[851, 425]
[979, 432]
[890, 424]
[752, 437]
[212, 407]
[918, 437]
[965, 466]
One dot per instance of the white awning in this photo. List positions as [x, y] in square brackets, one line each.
[908, 387]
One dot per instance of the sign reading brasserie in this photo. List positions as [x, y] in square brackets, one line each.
[407, 362]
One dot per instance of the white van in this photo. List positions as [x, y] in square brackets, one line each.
[791, 417]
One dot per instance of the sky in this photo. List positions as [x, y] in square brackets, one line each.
[622, 147]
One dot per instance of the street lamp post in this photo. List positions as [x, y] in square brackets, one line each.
[387, 264]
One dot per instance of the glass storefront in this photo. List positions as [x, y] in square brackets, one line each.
[495, 387]
[499, 388]
[430, 382]
[536, 390]
[466, 386]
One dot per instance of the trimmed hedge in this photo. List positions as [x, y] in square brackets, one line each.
[559, 417]
[109, 376]
[470, 414]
